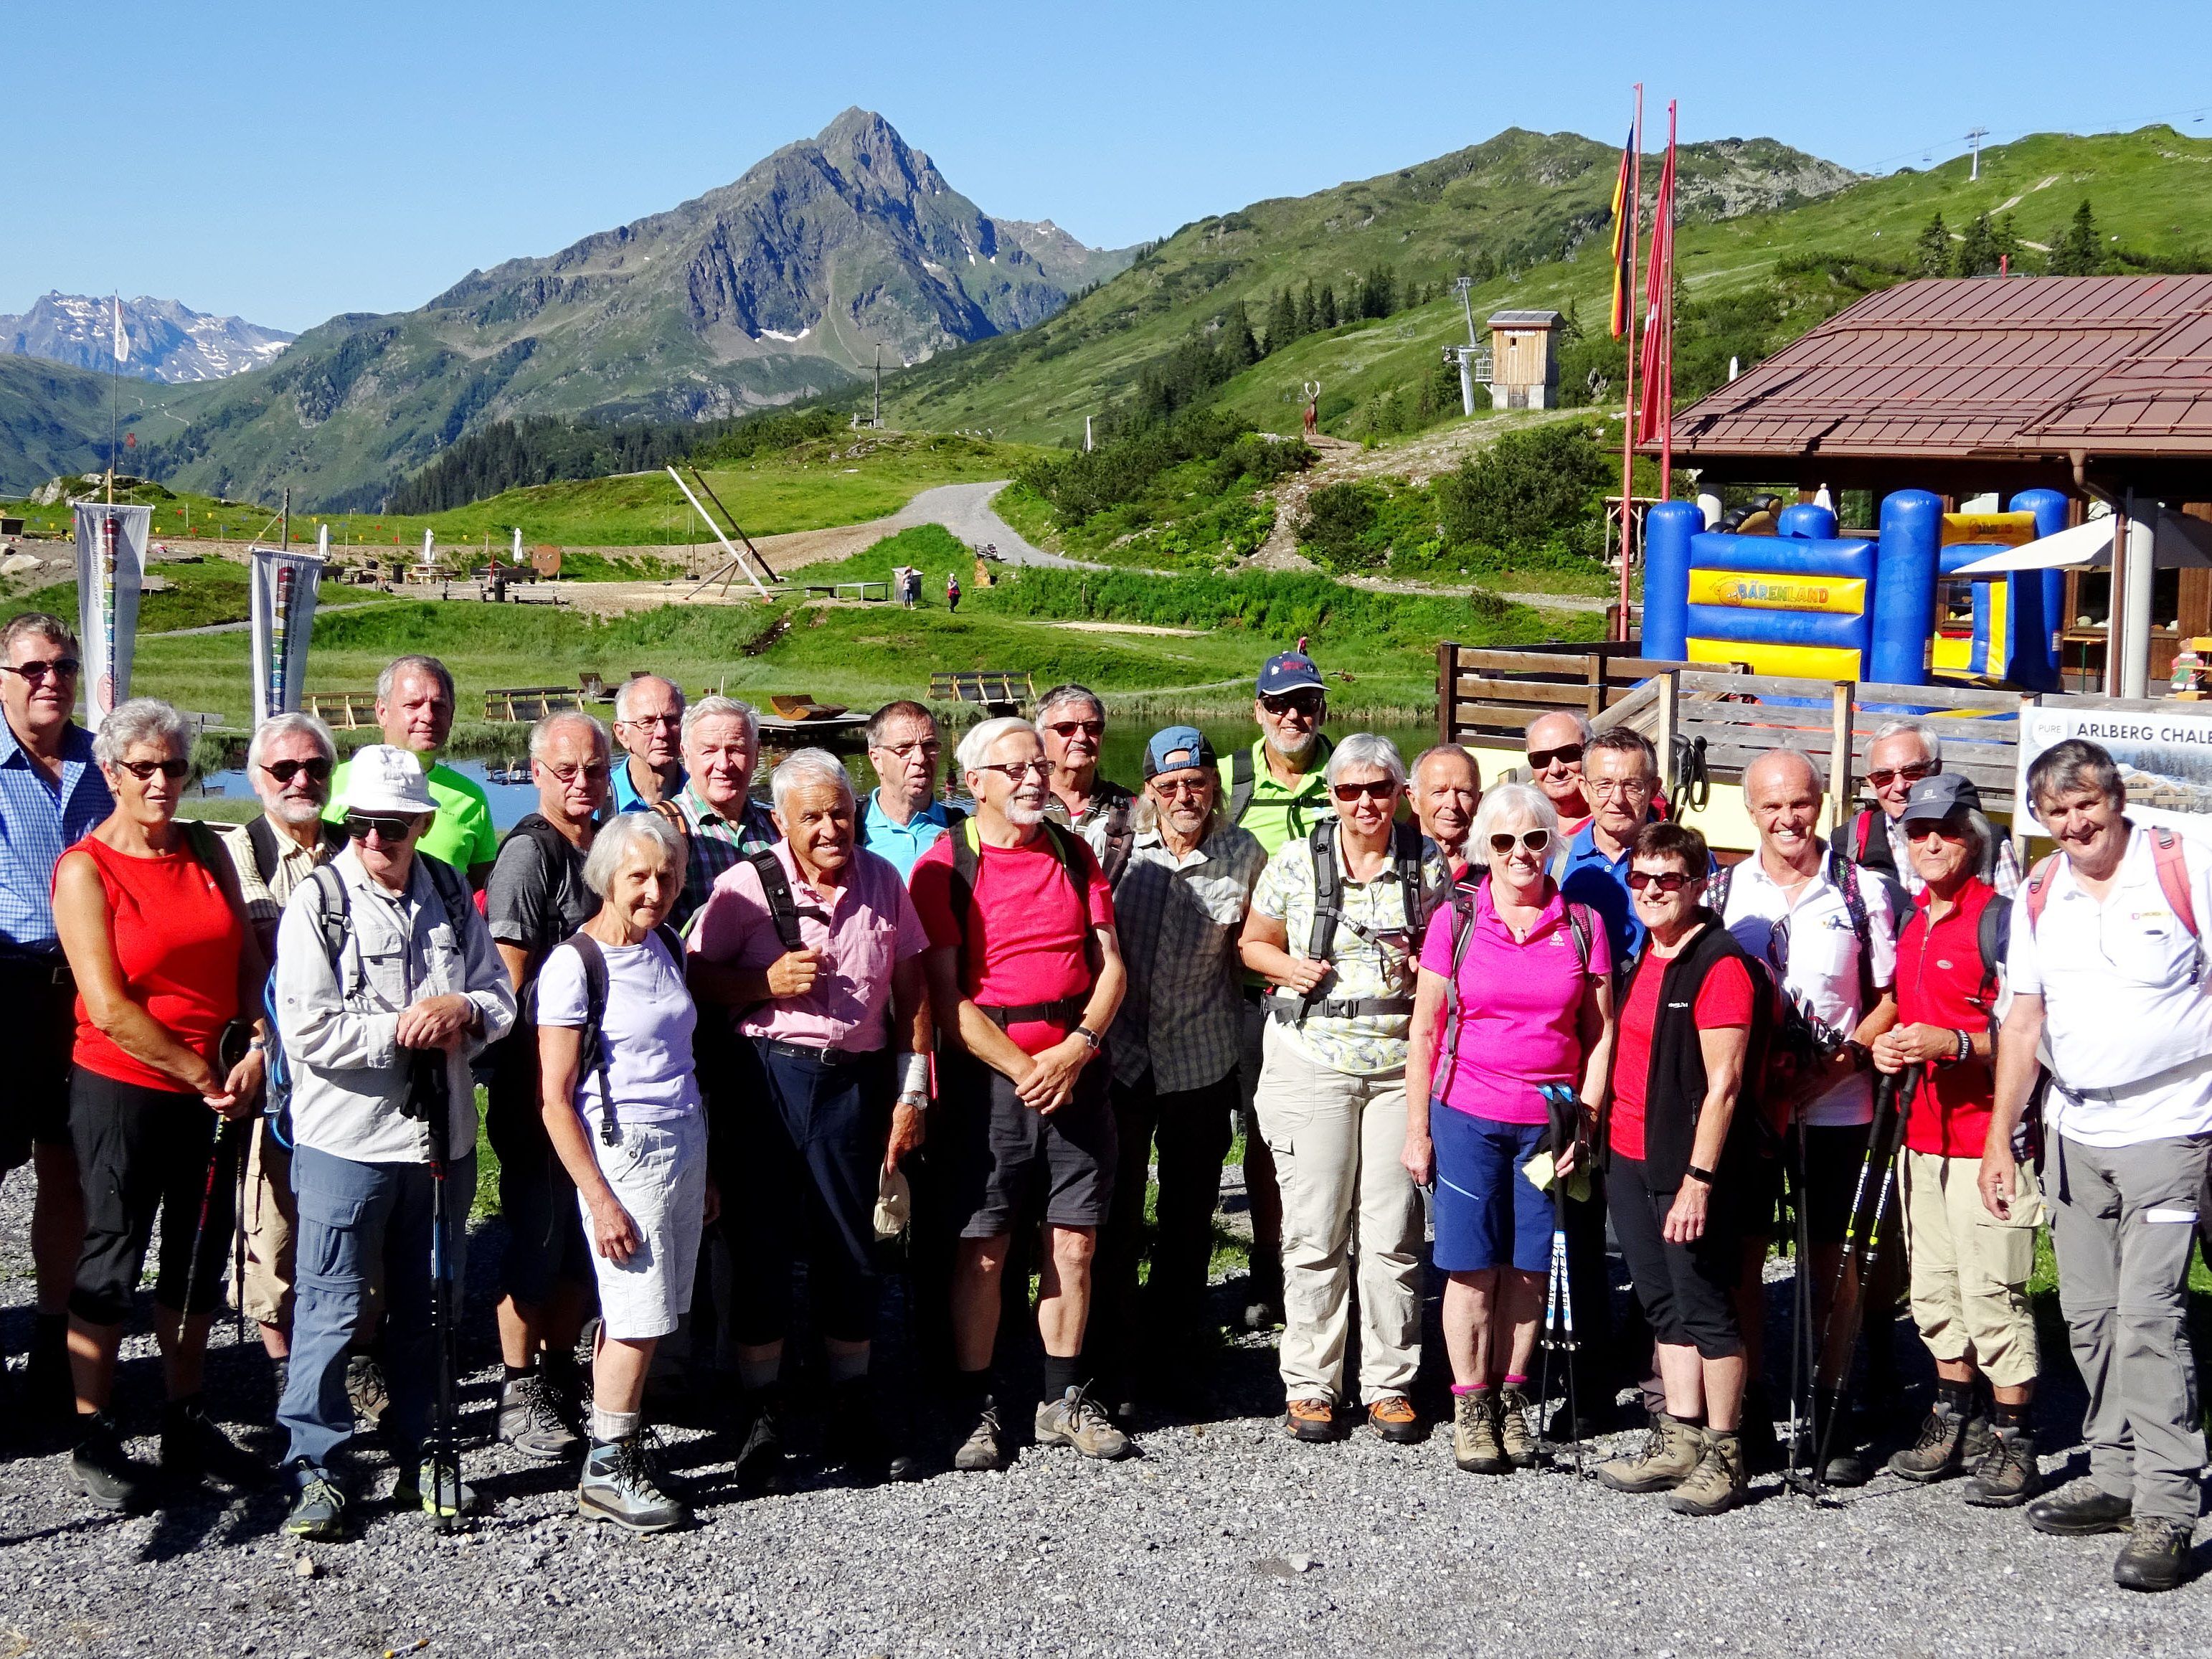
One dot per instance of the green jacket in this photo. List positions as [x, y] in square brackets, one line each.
[1277, 813]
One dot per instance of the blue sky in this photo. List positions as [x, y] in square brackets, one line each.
[286, 163]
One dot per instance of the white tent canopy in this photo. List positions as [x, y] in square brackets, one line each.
[2177, 543]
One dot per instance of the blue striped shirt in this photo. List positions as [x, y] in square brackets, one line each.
[38, 823]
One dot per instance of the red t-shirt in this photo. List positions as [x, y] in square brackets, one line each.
[1939, 982]
[1027, 931]
[1724, 1000]
[177, 942]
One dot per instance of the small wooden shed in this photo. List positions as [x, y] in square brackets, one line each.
[1524, 360]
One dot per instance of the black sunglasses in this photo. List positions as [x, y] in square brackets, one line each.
[360, 826]
[34, 672]
[1306, 702]
[1540, 760]
[1912, 774]
[1670, 881]
[285, 770]
[175, 770]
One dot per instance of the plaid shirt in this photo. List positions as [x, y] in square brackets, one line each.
[1177, 920]
[716, 843]
[265, 900]
[38, 823]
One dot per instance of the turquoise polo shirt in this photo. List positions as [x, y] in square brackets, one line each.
[902, 843]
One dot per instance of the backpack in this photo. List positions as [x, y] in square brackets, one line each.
[334, 916]
[1581, 924]
[269, 858]
[1120, 838]
[783, 908]
[966, 867]
[2167, 857]
[592, 1055]
[1407, 844]
[1244, 782]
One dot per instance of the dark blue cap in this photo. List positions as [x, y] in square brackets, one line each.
[1292, 671]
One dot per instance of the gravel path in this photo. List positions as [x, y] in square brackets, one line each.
[965, 510]
[1222, 1538]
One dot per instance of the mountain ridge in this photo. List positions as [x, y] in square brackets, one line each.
[166, 340]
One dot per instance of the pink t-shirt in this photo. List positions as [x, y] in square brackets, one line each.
[1520, 1007]
[873, 927]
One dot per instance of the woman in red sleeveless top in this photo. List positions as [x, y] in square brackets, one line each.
[150, 916]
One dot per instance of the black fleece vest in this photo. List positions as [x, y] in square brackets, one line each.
[1675, 1089]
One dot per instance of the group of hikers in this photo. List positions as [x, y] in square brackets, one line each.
[728, 1042]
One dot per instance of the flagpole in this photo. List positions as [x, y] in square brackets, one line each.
[1635, 209]
[1667, 340]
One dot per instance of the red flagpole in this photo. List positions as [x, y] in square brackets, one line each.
[1635, 207]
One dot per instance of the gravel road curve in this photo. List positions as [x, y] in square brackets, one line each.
[1223, 1538]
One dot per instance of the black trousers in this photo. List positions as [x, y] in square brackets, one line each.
[1192, 1128]
[1687, 1291]
[143, 1152]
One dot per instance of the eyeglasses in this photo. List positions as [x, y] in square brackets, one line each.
[175, 770]
[1183, 785]
[1567, 754]
[1607, 788]
[926, 746]
[1670, 881]
[360, 826]
[1039, 767]
[1912, 774]
[1534, 840]
[652, 719]
[66, 667]
[1066, 729]
[1305, 702]
[318, 770]
[1380, 789]
[593, 771]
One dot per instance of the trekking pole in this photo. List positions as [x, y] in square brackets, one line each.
[1559, 1304]
[207, 1208]
[444, 1451]
[1803, 1358]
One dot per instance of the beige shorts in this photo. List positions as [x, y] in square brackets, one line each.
[1969, 1270]
[267, 1219]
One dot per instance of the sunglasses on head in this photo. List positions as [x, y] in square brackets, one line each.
[1912, 774]
[1380, 789]
[1570, 754]
[66, 667]
[175, 770]
[1534, 840]
[1305, 703]
[384, 826]
[285, 770]
[1065, 729]
[1667, 881]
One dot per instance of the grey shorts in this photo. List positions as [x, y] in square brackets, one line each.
[1015, 1166]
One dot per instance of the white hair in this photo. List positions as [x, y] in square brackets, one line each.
[1509, 800]
[283, 725]
[805, 767]
[982, 738]
[541, 734]
[1930, 739]
[611, 845]
[141, 720]
[1367, 748]
[638, 682]
[707, 708]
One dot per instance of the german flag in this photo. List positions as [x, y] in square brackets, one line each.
[1624, 235]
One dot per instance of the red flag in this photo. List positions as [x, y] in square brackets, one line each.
[1655, 364]
[1624, 236]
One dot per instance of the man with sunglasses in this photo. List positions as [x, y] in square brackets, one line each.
[415, 707]
[1901, 754]
[648, 725]
[1073, 722]
[52, 795]
[1556, 745]
[536, 898]
[289, 763]
[901, 815]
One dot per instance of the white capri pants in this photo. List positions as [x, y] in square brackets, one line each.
[658, 1174]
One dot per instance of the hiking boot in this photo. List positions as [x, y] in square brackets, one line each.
[619, 1485]
[1513, 1408]
[530, 1419]
[1672, 1452]
[452, 1499]
[366, 1390]
[1717, 1484]
[1311, 1419]
[1844, 1466]
[102, 1470]
[2007, 1475]
[761, 1459]
[1263, 1292]
[1392, 1417]
[318, 1511]
[853, 1436]
[193, 1449]
[1940, 1450]
[2079, 1510]
[985, 1448]
[1476, 1446]
[1078, 1420]
[2156, 1556]
[49, 1390]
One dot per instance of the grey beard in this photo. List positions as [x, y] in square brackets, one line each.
[294, 812]
[1021, 815]
[1296, 756]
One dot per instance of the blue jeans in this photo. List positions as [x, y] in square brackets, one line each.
[355, 1220]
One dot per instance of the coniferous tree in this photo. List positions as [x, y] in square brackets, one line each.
[2078, 250]
[1282, 321]
[1325, 308]
[1978, 251]
[1238, 348]
[1309, 312]
[1933, 250]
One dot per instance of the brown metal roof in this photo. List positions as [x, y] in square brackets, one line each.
[1977, 366]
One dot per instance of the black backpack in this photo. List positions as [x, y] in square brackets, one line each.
[1407, 845]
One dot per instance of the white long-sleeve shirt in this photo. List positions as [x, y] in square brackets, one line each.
[339, 1021]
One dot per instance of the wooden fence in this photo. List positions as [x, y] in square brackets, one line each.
[1486, 693]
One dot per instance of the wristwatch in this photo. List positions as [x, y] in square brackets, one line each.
[1090, 1036]
[1703, 1177]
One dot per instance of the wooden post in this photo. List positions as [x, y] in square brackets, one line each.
[2028, 701]
[1446, 678]
[1839, 759]
[1662, 732]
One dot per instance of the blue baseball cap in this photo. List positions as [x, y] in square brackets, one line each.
[1177, 748]
[1290, 671]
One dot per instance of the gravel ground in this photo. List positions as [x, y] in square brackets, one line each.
[1222, 1537]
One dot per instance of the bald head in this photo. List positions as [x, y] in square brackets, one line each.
[1779, 769]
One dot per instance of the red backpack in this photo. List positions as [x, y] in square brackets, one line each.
[2167, 857]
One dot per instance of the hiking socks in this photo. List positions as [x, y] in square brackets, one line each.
[756, 1376]
[1062, 1374]
[515, 1373]
[847, 1367]
[1956, 1398]
[2009, 1416]
[607, 1427]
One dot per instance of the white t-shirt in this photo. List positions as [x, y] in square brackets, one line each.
[1823, 970]
[646, 1031]
[2127, 1025]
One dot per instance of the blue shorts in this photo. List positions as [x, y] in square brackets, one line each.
[1488, 1215]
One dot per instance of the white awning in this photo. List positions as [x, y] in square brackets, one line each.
[2177, 543]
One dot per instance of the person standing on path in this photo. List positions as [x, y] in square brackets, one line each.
[289, 762]
[1026, 974]
[2107, 975]
[1073, 722]
[52, 793]
[901, 815]
[1278, 790]
[414, 708]
[648, 725]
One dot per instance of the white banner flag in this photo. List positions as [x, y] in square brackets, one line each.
[122, 340]
[281, 596]
[111, 566]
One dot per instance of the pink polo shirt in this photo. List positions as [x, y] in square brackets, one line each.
[873, 927]
[1520, 1007]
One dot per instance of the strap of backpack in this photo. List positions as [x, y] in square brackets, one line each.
[1242, 782]
[775, 888]
[966, 867]
[592, 1053]
[1407, 843]
[1461, 898]
[1328, 890]
[261, 837]
[1578, 925]
[454, 892]
[1993, 936]
[2038, 887]
[334, 915]
[2172, 863]
[1845, 875]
